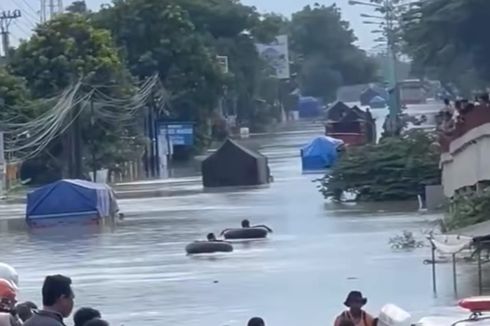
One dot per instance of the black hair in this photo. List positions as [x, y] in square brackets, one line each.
[55, 287]
[96, 322]
[211, 236]
[446, 101]
[24, 310]
[245, 224]
[83, 315]
[256, 321]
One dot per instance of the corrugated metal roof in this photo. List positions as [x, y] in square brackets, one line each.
[479, 230]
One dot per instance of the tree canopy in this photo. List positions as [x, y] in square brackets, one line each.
[64, 51]
[397, 168]
[323, 46]
[446, 41]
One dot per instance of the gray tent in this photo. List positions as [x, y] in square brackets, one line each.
[234, 165]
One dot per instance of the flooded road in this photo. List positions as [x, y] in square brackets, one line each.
[138, 273]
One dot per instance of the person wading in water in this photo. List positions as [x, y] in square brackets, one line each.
[355, 301]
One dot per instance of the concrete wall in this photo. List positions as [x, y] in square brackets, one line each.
[468, 160]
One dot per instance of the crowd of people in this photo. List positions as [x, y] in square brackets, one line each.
[453, 113]
[58, 302]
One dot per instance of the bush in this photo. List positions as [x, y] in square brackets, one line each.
[398, 168]
[469, 208]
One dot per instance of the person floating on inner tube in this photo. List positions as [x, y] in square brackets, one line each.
[212, 238]
[246, 225]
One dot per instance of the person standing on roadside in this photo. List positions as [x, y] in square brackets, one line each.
[25, 310]
[355, 301]
[8, 294]
[83, 315]
[57, 302]
[256, 321]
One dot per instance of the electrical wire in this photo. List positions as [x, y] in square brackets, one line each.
[24, 140]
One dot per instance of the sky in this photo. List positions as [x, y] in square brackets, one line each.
[21, 28]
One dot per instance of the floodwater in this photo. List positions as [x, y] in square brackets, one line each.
[137, 273]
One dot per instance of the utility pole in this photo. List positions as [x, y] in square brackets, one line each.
[50, 8]
[42, 12]
[6, 18]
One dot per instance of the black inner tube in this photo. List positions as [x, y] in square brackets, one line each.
[246, 233]
[208, 247]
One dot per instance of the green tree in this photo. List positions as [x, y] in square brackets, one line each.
[79, 7]
[14, 98]
[324, 52]
[64, 50]
[397, 168]
[444, 39]
[69, 49]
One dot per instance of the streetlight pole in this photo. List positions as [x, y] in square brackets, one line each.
[387, 24]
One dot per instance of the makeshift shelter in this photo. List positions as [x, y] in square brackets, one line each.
[337, 111]
[367, 95]
[70, 200]
[309, 107]
[234, 165]
[352, 125]
[320, 154]
[378, 102]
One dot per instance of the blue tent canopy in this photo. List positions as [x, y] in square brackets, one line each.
[309, 107]
[320, 154]
[70, 199]
[377, 102]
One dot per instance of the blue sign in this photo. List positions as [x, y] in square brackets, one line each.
[177, 133]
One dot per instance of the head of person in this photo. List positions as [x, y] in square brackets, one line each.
[245, 224]
[58, 294]
[25, 309]
[83, 315]
[8, 295]
[9, 273]
[96, 322]
[211, 237]
[446, 101]
[355, 301]
[256, 321]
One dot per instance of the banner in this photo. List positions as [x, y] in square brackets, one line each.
[276, 54]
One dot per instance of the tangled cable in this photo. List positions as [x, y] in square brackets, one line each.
[24, 140]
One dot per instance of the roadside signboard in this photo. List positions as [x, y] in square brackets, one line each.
[177, 133]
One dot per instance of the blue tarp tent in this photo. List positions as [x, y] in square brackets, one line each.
[309, 107]
[320, 154]
[378, 102]
[70, 199]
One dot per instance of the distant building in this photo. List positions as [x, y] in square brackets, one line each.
[354, 93]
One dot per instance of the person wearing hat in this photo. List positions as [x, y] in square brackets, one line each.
[355, 301]
[8, 294]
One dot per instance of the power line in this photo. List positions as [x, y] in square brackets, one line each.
[26, 33]
[30, 7]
